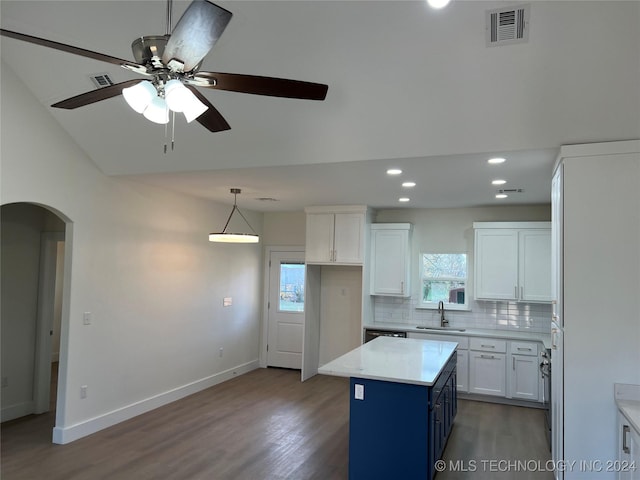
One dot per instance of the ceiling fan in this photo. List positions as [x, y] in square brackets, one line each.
[171, 62]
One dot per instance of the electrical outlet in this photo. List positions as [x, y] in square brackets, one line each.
[86, 318]
[83, 391]
[220, 352]
[359, 392]
[227, 301]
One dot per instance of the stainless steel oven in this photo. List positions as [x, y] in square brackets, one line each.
[545, 372]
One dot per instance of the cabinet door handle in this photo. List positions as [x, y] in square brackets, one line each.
[515, 291]
[524, 348]
[514, 362]
[554, 332]
[625, 447]
[402, 287]
[490, 357]
[521, 293]
[487, 346]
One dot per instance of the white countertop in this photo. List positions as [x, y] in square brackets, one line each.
[400, 360]
[545, 338]
[628, 401]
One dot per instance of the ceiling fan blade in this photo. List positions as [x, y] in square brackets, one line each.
[211, 119]
[94, 95]
[273, 87]
[75, 50]
[195, 33]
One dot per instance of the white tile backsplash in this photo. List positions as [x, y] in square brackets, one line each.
[528, 317]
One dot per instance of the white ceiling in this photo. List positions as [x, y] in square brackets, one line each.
[408, 86]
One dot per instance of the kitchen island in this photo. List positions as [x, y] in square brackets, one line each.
[401, 408]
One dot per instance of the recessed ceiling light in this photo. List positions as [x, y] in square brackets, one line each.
[502, 195]
[404, 199]
[394, 171]
[496, 160]
[409, 184]
[437, 4]
[498, 182]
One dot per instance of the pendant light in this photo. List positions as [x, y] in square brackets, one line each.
[228, 237]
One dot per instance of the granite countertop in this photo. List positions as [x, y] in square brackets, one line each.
[628, 402]
[399, 360]
[545, 338]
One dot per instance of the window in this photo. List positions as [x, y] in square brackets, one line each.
[291, 287]
[444, 279]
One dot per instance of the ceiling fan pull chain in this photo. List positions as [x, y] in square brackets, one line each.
[165, 138]
[173, 128]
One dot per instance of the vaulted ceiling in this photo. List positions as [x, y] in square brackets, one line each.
[409, 87]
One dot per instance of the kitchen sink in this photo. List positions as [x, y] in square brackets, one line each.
[450, 329]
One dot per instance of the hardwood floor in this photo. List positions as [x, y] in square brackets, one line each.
[264, 425]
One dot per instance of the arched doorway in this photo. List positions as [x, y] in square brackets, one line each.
[33, 247]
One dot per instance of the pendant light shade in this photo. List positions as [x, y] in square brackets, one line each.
[228, 237]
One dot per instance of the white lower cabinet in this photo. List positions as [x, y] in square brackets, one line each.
[493, 366]
[628, 450]
[487, 362]
[523, 367]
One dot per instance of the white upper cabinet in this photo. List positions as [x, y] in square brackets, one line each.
[535, 265]
[335, 235]
[513, 261]
[390, 259]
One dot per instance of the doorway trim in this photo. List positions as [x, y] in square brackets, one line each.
[44, 322]
[264, 337]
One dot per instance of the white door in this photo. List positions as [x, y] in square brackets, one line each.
[286, 309]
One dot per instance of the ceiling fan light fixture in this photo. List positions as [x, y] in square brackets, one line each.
[157, 111]
[193, 107]
[176, 95]
[140, 95]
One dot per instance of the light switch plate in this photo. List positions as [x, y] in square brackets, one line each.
[359, 393]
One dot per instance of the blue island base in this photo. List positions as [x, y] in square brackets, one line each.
[399, 430]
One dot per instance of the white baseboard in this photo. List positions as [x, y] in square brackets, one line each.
[62, 435]
[17, 410]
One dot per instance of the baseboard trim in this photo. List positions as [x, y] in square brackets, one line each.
[503, 400]
[17, 410]
[63, 435]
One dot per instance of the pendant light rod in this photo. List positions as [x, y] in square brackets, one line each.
[235, 208]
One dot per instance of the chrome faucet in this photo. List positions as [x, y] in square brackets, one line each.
[443, 321]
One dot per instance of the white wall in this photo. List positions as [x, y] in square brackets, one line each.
[341, 311]
[284, 228]
[142, 265]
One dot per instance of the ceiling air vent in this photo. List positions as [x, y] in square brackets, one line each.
[510, 190]
[508, 25]
[101, 80]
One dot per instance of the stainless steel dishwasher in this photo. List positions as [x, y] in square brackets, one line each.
[371, 334]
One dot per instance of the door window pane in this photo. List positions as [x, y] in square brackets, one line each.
[291, 287]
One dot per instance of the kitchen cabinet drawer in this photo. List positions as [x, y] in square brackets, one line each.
[523, 348]
[488, 345]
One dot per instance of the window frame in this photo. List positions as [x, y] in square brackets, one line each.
[448, 306]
